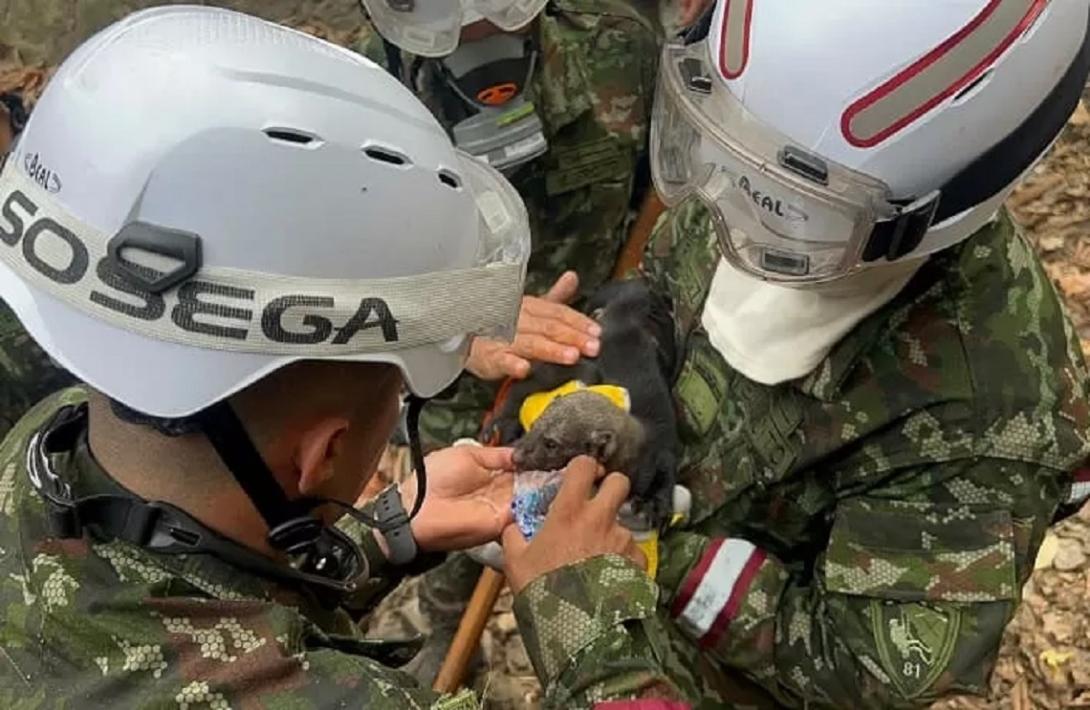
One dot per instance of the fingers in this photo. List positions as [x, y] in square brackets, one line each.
[508, 364]
[540, 348]
[540, 309]
[483, 354]
[513, 542]
[578, 481]
[564, 289]
[493, 458]
[612, 494]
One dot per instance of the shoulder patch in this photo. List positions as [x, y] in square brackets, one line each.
[915, 643]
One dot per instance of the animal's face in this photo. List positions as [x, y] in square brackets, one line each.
[551, 449]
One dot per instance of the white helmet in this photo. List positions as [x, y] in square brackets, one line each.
[202, 197]
[832, 136]
[431, 28]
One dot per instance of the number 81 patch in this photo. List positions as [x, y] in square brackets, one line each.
[915, 643]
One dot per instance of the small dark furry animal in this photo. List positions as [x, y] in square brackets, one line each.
[582, 422]
[638, 354]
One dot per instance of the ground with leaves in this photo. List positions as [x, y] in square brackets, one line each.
[1045, 660]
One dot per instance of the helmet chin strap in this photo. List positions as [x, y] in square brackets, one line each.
[322, 558]
[293, 529]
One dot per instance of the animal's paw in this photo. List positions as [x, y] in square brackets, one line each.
[654, 496]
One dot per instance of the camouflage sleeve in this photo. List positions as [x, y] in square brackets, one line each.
[369, 43]
[27, 374]
[593, 634]
[906, 603]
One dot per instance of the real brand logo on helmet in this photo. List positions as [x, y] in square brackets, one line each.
[42, 175]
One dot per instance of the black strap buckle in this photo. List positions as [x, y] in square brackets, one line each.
[896, 237]
[62, 514]
[296, 535]
[393, 522]
[182, 247]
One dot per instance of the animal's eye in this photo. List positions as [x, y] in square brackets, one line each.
[551, 444]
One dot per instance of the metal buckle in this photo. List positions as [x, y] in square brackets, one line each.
[294, 536]
[912, 223]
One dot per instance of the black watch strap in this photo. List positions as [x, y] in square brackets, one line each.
[393, 524]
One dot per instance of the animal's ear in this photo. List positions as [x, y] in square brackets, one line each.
[601, 444]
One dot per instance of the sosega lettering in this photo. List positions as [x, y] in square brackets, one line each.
[311, 321]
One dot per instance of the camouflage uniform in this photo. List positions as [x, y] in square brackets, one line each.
[106, 624]
[860, 536]
[592, 85]
[28, 374]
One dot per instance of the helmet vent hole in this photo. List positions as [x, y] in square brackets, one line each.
[971, 89]
[386, 155]
[288, 135]
[450, 179]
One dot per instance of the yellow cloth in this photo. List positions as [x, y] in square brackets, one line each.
[535, 405]
[648, 542]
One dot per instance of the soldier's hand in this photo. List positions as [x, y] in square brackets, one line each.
[579, 526]
[467, 501]
[548, 331]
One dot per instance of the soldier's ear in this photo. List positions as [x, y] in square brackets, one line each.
[316, 452]
[601, 444]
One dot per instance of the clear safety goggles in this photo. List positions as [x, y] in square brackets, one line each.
[781, 213]
[431, 28]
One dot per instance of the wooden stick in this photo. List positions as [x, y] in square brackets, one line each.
[470, 628]
[479, 609]
[632, 252]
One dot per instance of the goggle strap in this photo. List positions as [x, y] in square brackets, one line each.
[893, 238]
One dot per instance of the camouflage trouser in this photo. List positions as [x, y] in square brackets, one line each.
[445, 590]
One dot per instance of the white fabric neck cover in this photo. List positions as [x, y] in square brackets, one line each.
[772, 334]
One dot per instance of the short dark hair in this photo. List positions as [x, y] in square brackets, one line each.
[167, 426]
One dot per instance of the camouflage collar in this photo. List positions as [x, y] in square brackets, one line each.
[205, 573]
[826, 381]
